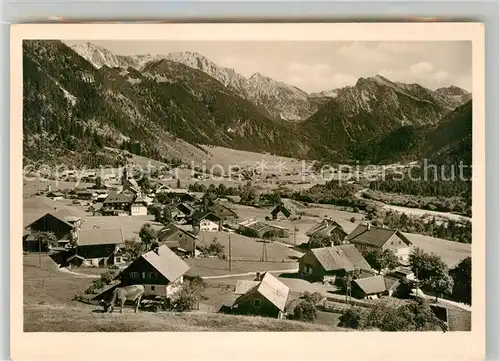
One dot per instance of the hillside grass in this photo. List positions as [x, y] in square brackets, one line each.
[59, 318]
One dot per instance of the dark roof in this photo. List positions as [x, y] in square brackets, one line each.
[281, 208]
[165, 233]
[123, 197]
[324, 226]
[96, 251]
[200, 215]
[165, 261]
[221, 210]
[374, 236]
[87, 237]
[64, 215]
[340, 257]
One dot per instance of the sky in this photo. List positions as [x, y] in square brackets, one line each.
[317, 66]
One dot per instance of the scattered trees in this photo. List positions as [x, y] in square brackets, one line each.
[431, 270]
[213, 249]
[412, 316]
[323, 240]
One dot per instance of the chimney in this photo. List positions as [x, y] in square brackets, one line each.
[368, 226]
[257, 274]
[331, 244]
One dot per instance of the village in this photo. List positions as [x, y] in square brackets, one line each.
[208, 251]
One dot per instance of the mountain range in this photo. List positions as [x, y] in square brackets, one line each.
[80, 100]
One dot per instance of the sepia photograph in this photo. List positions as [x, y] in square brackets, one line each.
[258, 186]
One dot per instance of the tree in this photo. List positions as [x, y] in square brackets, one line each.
[133, 249]
[73, 239]
[45, 240]
[166, 217]
[213, 249]
[382, 259]
[305, 311]
[221, 190]
[320, 240]
[431, 270]
[462, 281]
[145, 183]
[353, 317]
[147, 235]
[98, 182]
[187, 298]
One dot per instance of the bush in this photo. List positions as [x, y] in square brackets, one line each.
[305, 311]
[353, 318]
[353, 219]
[313, 298]
[186, 299]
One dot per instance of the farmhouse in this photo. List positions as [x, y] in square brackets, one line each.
[182, 211]
[224, 213]
[374, 287]
[97, 248]
[161, 272]
[117, 203]
[61, 223]
[206, 221]
[285, 210]
[327, 263]
[266, 296]
[328, 228]
[178, 240]
[258, 229]
[368, 238]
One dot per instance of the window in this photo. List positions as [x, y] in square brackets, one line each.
[256, 303]
[143, 275]
[152, 288]
[118, 259]
[134, 275]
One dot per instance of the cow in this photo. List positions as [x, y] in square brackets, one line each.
[130, 293]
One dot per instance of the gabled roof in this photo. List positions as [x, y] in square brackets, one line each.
[283, 209]
[114, 197]
[64, 215]
[326, 226]
[371, 285]
[219, 209]
[166, 262]
[164, 233]
[200, 215]
[340, 257]
[374, 236]
[376, 284]
[243, 286]
[269, 287]
[94, 237]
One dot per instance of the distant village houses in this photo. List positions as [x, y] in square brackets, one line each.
[369, 238]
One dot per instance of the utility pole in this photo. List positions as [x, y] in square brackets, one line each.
[294, 234]
[264, 251]
[39, 251]
[230, 253]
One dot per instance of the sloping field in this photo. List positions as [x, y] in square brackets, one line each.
[51, 318]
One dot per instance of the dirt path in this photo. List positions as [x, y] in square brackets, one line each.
[65, 270]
